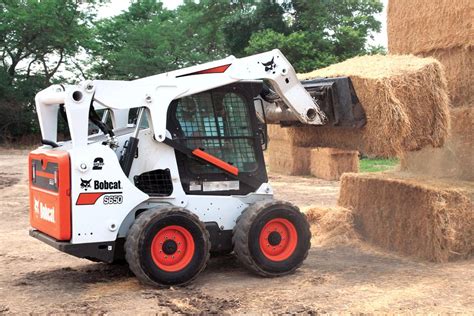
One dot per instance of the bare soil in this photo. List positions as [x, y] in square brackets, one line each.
[35, 278]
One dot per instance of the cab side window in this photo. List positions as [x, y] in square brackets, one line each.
[219, 123]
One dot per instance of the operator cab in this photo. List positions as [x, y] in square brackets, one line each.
[221, 122]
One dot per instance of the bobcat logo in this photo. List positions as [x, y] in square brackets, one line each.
[43, 211]
[85, 184]
[269, 65]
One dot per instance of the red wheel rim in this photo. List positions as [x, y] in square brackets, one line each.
[278, 239]
[172, 248]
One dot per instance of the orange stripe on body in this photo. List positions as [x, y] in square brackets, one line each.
[89, 198]
[215, 70]
[216, 161]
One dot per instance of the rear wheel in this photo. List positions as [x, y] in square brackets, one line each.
[272, 238]
[168, 246]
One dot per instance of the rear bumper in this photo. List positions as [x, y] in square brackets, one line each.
[102, 251]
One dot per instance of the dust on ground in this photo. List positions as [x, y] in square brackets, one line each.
[36, 278]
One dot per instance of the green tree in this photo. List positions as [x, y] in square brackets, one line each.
[328, 31]
[134, 45]
[149, 39]
[248, 17]
[36, 39]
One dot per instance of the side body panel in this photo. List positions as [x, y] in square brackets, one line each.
[101, 194]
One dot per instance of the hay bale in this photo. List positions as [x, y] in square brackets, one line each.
[455, 159]
[288, 159]
[428, 219]
[458, 64]
[416, 26]
[331, 226]
[443, 30]
[330, 163]
[405, 101]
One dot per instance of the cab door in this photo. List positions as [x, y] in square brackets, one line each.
[221, 122]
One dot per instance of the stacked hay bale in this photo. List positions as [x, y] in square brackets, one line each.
[286, 158]
[426, 211]
[445, 32]
[331, 163]
[441, 29]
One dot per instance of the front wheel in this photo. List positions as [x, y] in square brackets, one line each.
[272, 238]
[168, 246]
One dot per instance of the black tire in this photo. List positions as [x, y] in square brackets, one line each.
[143, 260]
[250, 225]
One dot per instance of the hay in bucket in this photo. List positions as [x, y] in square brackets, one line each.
[405, 101]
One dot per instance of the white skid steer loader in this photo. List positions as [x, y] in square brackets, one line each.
[187, 176]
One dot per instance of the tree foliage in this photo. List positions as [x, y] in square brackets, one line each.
[36, 39]
[136, 44]
[321, 32]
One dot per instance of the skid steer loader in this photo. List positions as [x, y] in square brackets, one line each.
[163, 170]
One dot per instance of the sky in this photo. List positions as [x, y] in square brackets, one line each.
[117, 6]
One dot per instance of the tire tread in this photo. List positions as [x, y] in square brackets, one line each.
[241, 237]
[134, 238]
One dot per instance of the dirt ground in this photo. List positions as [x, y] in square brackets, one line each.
[35, 278]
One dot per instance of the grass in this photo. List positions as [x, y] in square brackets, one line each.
[377, 164]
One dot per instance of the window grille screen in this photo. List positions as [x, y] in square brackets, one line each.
[217, 122]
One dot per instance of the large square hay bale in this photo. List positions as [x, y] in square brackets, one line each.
[443, 29]
[427, 219]
[405, 101]
[455, 159]
[331, 163]
[288, 159]
[416, 26]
